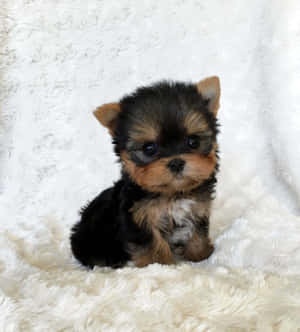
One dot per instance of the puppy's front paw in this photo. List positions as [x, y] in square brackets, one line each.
[198, 249]
[162, 255]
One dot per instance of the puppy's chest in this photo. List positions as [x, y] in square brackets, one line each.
[176, 218]
[182, 218]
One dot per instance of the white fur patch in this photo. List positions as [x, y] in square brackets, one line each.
[181, 210]
[182, 217]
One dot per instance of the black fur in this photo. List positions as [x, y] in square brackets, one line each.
[105, 229]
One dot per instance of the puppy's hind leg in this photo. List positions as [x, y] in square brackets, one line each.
[95, 239]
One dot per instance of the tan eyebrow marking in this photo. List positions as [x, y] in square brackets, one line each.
[195, 122]
[144, 132]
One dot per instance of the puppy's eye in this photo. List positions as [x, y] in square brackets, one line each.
[193, 142]
[150, 149]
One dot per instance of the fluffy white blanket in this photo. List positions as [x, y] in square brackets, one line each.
[61, 59]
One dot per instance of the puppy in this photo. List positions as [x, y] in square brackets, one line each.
[158, 212]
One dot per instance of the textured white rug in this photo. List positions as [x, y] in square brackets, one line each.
[58, 61]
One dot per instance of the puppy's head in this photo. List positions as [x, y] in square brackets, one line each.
[165, 134]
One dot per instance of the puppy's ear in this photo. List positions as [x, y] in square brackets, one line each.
[107, 115]
[209, 88]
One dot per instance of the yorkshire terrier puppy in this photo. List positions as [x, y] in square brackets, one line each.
[158, 212]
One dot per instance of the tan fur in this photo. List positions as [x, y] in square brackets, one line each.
[144, 132]
[149, 176]
[156, 215]
[107, 114]
[195, 123]
[151, 210]
[199, 167]
[201, 208]
[159, 252]
[142, 260]
[156, 177]
[210, 89]
[198, 248]
[149, 213]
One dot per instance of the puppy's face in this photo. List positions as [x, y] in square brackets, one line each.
[165, 134]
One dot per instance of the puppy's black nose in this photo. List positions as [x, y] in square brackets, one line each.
[176, 165]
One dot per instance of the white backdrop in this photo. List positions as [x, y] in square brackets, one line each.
[61, 59]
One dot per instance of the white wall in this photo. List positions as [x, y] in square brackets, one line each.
[64, 58]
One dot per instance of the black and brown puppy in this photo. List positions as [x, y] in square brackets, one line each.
[165, 137]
